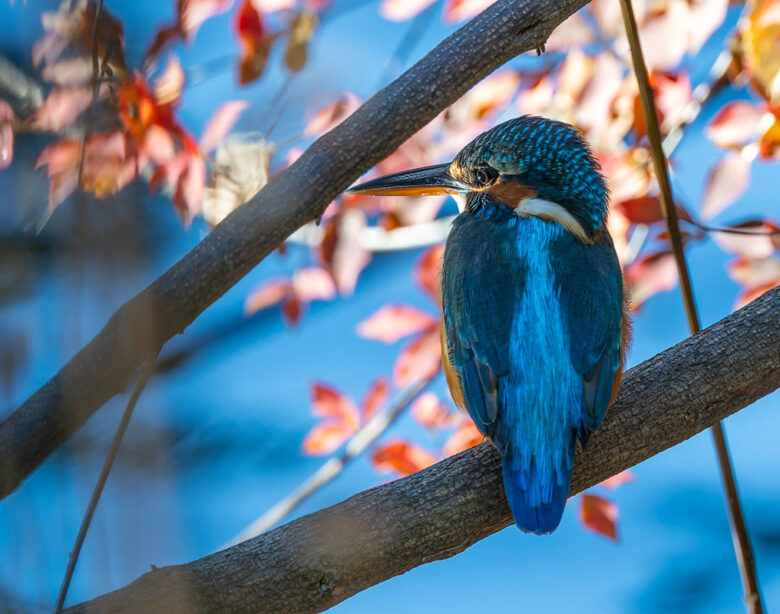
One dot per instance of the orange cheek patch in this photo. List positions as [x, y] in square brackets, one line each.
[510, 193]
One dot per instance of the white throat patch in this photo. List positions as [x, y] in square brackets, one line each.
[553, 212]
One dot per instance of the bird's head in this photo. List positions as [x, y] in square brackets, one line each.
[531, 165]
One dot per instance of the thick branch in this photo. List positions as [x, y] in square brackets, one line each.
[104, 368]
[319, 560]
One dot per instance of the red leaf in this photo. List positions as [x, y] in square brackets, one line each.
[401, 457]
[427, 271]
[60, 156]
[617, 480]
[401, 10]
[754, 271]
[487, 98]
[430, 412]
[70, 71]
[291, 310]
[313, 284]
[726, 183]
[673, 94]
[220, 124]
[254, 42]
[654, 273]
[461, 10]
[467, 436]
[268, 294]
[647, 210]
[573, 32]
[62, 107]
[419, 358]
[6, 135]
[393, 322]
[750, 294]
[271, 6]
[188, 197]
[642, 210]
[736, 124]
[664, 36]
[332, 115]
[168, 86]
[327, 402]
[600, 515]
[375, 397]
[759, 245]
[341, 250]
[325, 437]
[192, 13]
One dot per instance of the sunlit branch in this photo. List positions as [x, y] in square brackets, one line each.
[319, 560]
[334, 466]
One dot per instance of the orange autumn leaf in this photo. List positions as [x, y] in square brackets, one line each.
[220, 124]
[6, 134]
[654, 273]
[401, 457]
[427, 271]
[375, 398]
[393, 322]
[617, 480]
[313, 284]
[325, 437]
[419, 358]
[599, 515]
[430, 412]
[467, 436]
[327, 402]
[268, 294]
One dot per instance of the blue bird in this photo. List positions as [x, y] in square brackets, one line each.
[534, 329]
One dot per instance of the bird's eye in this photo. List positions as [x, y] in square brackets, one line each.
[485, 176]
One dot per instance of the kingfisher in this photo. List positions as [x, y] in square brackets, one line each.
[534, 329]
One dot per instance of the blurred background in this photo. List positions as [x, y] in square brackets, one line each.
[340, 318]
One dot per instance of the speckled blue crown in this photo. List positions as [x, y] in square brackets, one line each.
[550, 156]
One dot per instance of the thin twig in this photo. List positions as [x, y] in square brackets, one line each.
[335, 465]
[140, 384]
[740, 536]
[406, 45]
[95, 87]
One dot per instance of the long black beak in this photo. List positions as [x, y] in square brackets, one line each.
[426, 181]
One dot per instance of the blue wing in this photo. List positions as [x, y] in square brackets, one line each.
[480, 289]
[590, 287]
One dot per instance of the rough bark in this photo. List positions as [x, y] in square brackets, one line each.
[319, 560]
[106, 365]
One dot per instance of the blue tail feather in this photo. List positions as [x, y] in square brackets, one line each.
[536, 508]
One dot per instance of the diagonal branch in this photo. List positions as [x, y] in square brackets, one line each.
[319, 560]
[105, 366]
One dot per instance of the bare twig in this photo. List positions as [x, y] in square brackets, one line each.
[317, 561]
[741, 538]
[354, 448]
[95, 89]
[140, 384]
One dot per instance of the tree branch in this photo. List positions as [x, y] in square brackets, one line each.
[23, 92]
[321, 559]
[299, 194]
